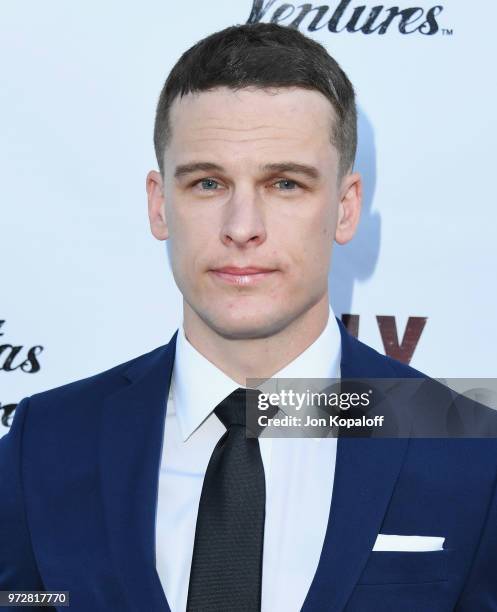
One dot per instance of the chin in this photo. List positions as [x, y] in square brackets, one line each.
[244, 326]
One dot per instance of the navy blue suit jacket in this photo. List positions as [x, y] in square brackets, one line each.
[78, 492]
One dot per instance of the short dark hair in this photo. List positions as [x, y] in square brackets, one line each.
[263, 55]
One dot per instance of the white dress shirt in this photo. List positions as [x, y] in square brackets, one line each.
[299, 474]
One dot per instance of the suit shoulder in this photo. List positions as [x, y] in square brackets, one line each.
[402, 369]
[96, 385]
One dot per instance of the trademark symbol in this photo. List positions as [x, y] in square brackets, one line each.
[447, 31]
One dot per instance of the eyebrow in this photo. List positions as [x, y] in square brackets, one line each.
[288, 166]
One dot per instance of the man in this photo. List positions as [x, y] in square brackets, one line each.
[136, 490]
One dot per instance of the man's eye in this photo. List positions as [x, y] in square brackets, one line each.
[286, 182]
[207, 184]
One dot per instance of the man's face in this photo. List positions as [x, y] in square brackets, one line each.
[263, 196]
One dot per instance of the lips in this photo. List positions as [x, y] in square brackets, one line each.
[245, 277]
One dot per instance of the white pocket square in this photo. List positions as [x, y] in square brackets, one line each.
[403, 543]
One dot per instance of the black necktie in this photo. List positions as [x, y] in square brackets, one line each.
[226, 572]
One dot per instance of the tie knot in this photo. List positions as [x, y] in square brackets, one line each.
[232, 410]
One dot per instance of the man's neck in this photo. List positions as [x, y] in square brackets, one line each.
[256, 357]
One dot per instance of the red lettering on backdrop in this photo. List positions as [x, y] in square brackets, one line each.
[388, 330]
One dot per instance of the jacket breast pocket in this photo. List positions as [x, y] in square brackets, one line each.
[385, 567]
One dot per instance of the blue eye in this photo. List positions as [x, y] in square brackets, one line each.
[208, 180]
[287, 181]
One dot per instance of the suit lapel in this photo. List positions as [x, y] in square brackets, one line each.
[130, 454]
[365, 474]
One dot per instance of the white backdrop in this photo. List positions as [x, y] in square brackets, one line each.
[83, 278]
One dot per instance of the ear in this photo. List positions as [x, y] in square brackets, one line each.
[156, 205]
[349, 207]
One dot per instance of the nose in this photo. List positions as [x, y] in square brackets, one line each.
[243, 223]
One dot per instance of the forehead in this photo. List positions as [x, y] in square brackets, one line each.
[252, 125]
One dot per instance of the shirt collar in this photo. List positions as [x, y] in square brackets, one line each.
[199, 386]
